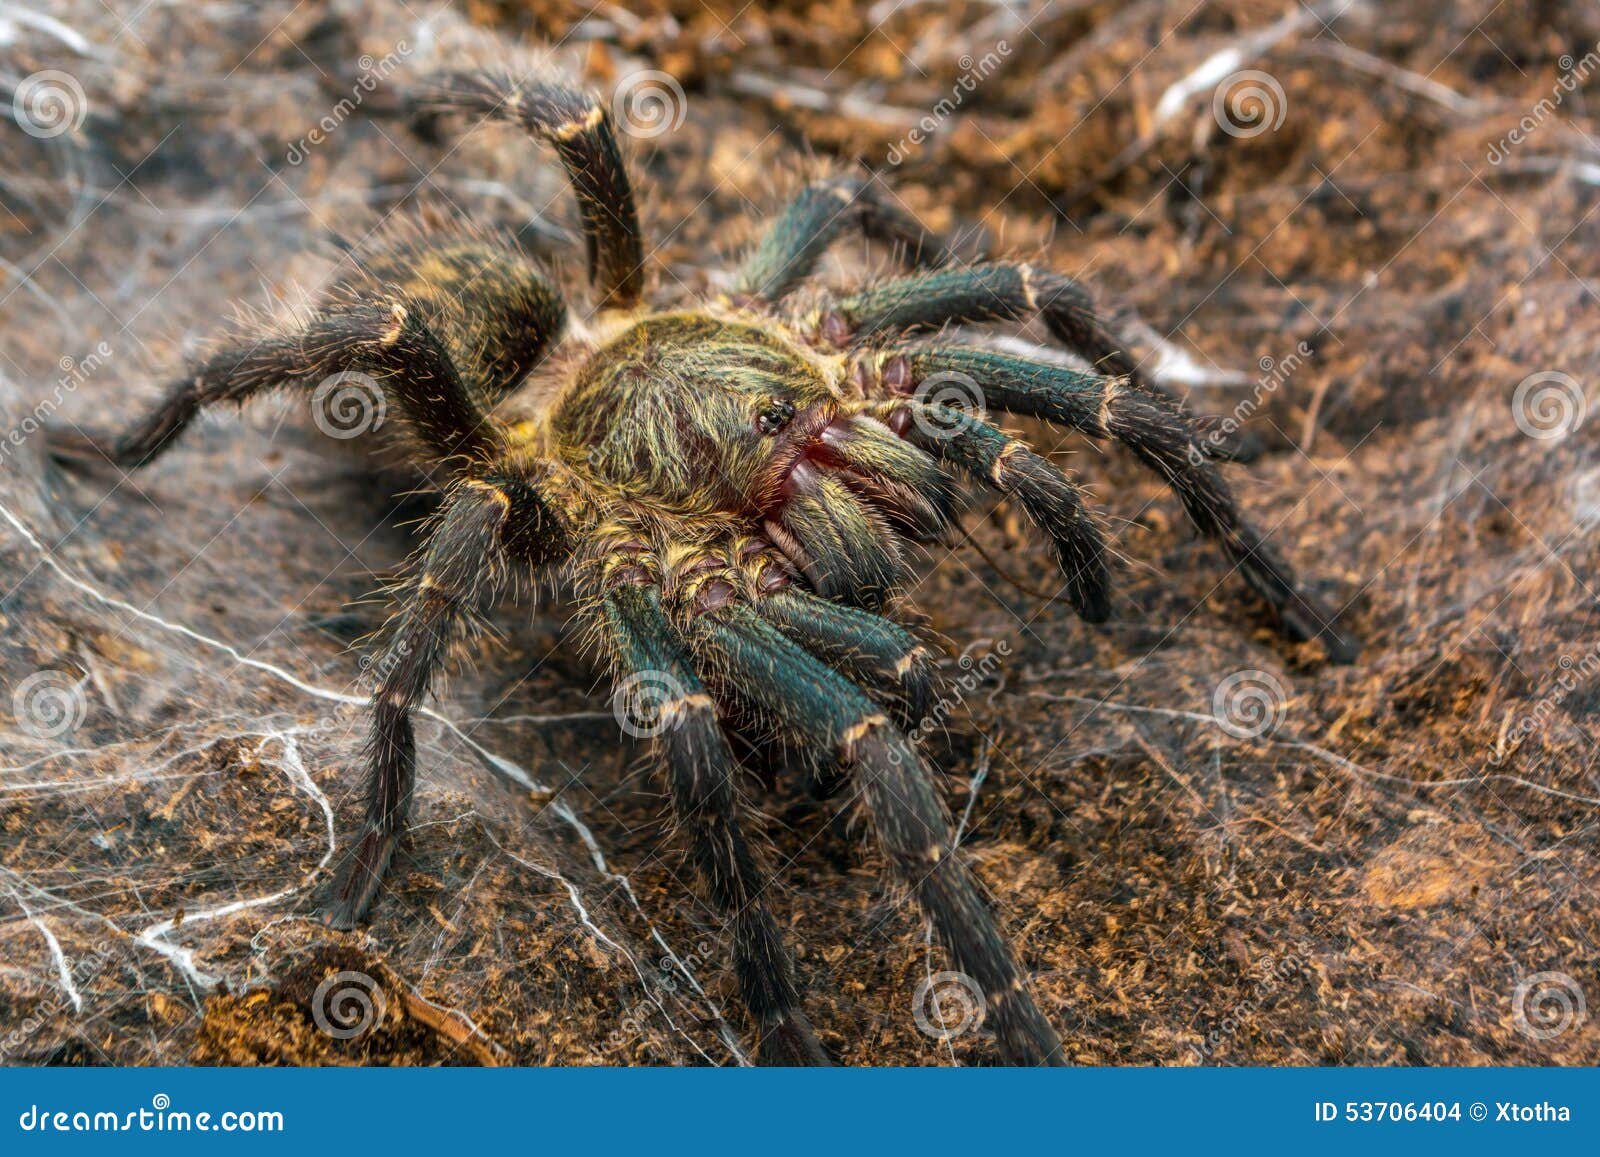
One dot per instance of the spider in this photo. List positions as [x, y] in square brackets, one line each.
[730, 492]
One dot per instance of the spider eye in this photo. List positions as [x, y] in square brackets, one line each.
[775, 415]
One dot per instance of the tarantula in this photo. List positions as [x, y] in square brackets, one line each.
[730, 491]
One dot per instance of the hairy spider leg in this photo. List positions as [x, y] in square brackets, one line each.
[422, 340]
[1004, 291]
[700, 773]
[451, 321]
[744, 656]
[868, 649]
[1161, 437]
[1046, 495]
[486, 525]
[797, 238]
[578, 126]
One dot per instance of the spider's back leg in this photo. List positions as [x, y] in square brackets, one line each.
[495, 312]
[444, 326]
[578, 126]
[487, 525]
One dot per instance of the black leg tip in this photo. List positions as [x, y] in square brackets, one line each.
[1088, 588]
[1342, 648]
[1025, 1037]
[1304, 620]
[72, 449]
[791, 1043]
[357, 884]
[1092, 606]
[340, 918]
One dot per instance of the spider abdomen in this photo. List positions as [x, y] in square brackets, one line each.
[491, 307]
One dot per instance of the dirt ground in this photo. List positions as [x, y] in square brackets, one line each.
[1377, 248]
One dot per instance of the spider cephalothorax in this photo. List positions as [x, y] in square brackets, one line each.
[727, 414]
[730, 491]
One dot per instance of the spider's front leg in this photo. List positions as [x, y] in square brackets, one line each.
[1007, 466]
[788, 252]
[742, 635]
[578, 126]
[1007, 291]
[1153, 428]
[485, 526]
[770, 671]
[650, 656]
